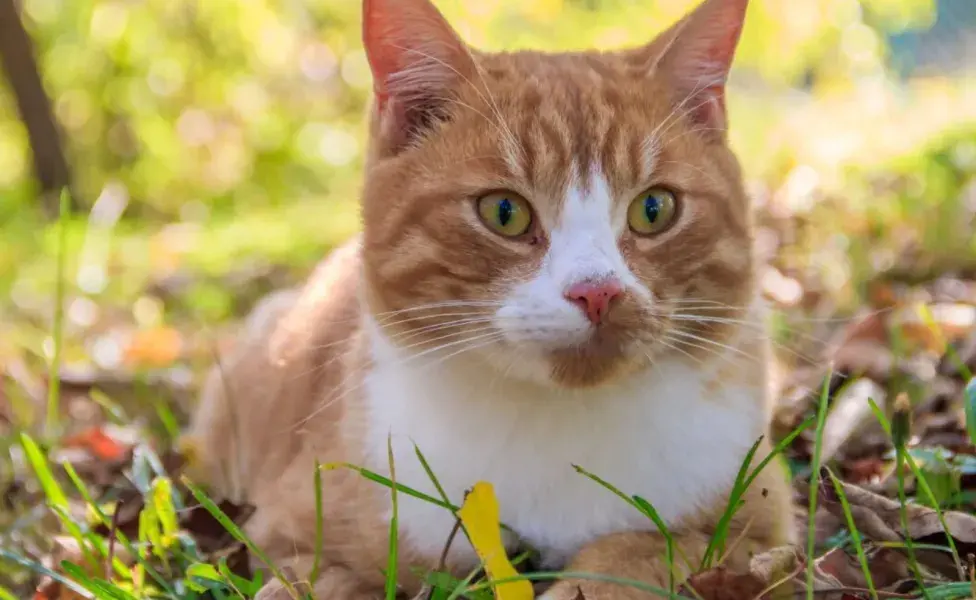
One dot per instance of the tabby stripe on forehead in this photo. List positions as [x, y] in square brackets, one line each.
[530, 151]
[646, 152]
[618, 159]
[582, 143]
[555, 147]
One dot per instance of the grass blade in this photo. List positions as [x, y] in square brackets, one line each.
[430, 474]
[668, 538]
[56, 497]
[650, 512]
[319, 524]
[391, 566]
[880, 416]
[855, 534]
[815, 480]
[239, 535]
[376, 477]
[744, 483]
[54, 378]
[42, 570]
[130, 548]
[721, 530]
[463, 587]
[900, 431]
[39, 463]
[920, 478]
[969, 398]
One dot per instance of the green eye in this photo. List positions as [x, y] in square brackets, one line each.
[506, 213]
[652, 211]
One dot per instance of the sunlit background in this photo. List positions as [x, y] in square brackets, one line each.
[215, 150]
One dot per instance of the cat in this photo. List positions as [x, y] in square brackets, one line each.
[556, 268]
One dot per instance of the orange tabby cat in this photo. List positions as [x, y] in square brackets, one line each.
[556, 268]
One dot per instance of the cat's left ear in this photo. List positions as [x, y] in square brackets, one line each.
[695, 56]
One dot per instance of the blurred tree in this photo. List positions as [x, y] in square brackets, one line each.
[17, 57]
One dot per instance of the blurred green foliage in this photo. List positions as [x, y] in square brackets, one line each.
[210, 133]
[227, 105]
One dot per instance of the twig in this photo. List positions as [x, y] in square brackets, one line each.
[111, 539]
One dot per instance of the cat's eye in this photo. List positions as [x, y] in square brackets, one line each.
[506, 213]
[652, 211]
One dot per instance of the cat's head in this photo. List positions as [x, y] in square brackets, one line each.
[568, 217]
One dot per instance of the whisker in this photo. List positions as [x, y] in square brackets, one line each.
[410, 320]
[762, 332]
[493, 336]
[705, 340]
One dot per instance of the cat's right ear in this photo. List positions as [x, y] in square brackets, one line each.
[417, 61]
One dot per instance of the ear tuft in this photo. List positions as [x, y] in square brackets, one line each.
[417, 61]
[696, 56]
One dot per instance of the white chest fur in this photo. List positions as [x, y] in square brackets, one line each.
[660, 435]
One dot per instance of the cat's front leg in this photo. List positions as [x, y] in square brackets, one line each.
[333, 583]
[637, 556]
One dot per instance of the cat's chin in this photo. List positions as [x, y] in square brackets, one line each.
[582, 370]
[574, 366]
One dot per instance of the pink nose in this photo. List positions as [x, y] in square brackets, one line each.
[594, 297]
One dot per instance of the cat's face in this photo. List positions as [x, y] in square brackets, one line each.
[570, 218]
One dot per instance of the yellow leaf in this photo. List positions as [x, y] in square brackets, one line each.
[479, 515]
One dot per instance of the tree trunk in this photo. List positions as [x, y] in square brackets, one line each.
[17, 58]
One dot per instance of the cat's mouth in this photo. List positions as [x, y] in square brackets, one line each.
[604, 355]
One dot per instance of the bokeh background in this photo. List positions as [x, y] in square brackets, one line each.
[214, 148]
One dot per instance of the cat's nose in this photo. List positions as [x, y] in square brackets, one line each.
[594, 297]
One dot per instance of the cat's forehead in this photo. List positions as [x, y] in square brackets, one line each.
[557, 121]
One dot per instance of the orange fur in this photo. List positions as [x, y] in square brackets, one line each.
[449, 125]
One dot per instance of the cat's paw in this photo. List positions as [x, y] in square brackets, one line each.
[276, 590]
[563, 590]
[594, 590]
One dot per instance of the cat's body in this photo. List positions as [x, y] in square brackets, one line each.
[511, 336]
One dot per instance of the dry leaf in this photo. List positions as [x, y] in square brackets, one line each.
[879, 519]
[480, 516]
[98, 443]
[766, 570]
[158, 347]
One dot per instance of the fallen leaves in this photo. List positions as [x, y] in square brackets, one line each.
[766, 571]
[99, 444]
[157, 347]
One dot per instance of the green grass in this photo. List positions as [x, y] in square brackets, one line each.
[160, 528]
[743, 483]
[319, 523]
[970, 400]
[645, 507]
[862, 558]
[211, 507]
[54, 380]
[391, 566]
[814, 482]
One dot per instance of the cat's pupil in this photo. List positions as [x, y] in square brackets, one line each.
[652, 208]
[505, 211]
